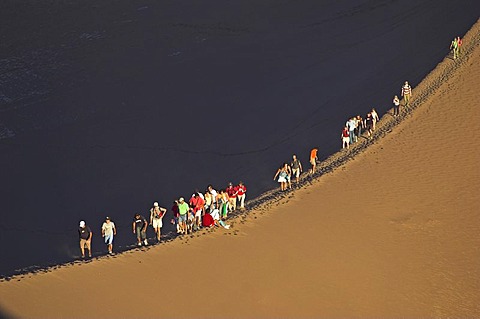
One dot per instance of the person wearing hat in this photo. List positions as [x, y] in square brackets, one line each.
[183, 209]
[139, 226]
[156, 217]
[108, 231]
[85, 234]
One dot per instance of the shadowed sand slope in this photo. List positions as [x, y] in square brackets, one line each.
[392, 233]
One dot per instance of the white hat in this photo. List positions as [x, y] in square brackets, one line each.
[181, 199]
[155, 204]
[82, 224]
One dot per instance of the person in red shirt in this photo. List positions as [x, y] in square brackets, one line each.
[313, 160]
[241, 191]
[197, 203]
[345, 138]
[232, 197]
[175, 216]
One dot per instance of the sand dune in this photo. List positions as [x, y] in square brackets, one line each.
[394, 232]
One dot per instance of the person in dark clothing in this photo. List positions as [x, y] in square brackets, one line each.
[85, 234]
[139, 226]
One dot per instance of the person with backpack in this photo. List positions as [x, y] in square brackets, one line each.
[156, 219]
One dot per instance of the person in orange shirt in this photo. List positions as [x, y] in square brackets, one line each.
[313, 160]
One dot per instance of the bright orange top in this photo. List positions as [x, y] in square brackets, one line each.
[313, 153]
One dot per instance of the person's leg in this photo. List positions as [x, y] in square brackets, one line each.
[82, 247]
[138, 231]
[242, 201]
[110, 244]
[89, 247]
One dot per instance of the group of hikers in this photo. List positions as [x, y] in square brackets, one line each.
[355, 126]
[211, 208]
[286, 171]
[353, 129]
[207, 209]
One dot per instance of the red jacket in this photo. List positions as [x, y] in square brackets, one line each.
[231, 192]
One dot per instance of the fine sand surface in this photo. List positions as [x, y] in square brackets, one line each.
[393, 233]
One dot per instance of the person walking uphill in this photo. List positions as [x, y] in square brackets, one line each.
[108, 231]
[156, 219]
[406, 92]
[345, 138]
[313, 160]
[454, 48]
[85, 234]
[396, 106]
[296, 168]
[183, 209]
[241, 192]
[139, 226]
[232, 197]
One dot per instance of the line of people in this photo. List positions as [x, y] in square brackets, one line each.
[207, 209]
[212, 207]
[355, 126]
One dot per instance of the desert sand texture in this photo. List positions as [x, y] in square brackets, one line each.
[393, 232]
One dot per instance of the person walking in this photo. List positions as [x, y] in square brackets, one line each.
[183, 209]
[375, 118]
[454, 48]
[241, 192]
[396, 106]
[176, 214]
[406, 92]
[282, 177]
[232, 197]
[351, 124]
[139, 226]
[459, 46]
[108, 232]
[156, 219]
[313, 160]
[369, 125]
[296, 168]
[345, 138]
[85, 235]
[360, 126]
[197, 204]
